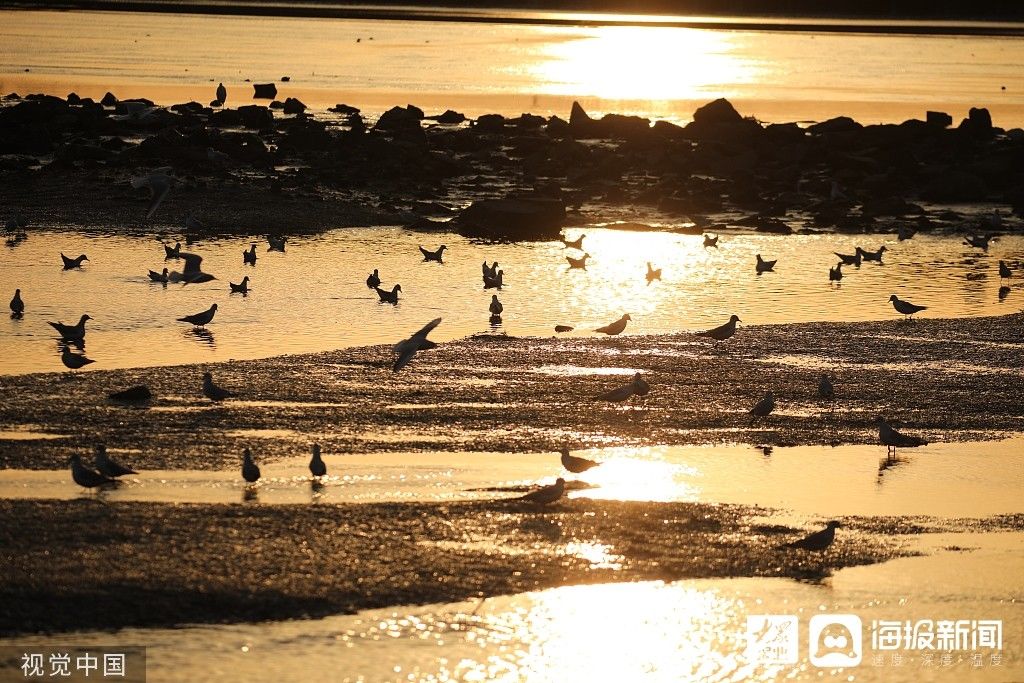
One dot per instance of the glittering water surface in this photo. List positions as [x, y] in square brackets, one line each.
[314, 296]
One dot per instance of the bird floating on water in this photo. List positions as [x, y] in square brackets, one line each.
[158, 183]
[242, 287]
[495, 308]
[74, 361]
[250, 471]
[905, 307]
[172, 252]
[836, 274]
[653, 274]
[276, 242]
[722, 332]
[83, 476]
[373, 280]
[72, 263]
[905, 232]
[580, 263]
[573, 244]
[576, 464]
[407, 348]
[158, 277]
[495, 282]
[489, 271]
[433, 255]
[871, 255]
[893, 439]
[17, 305]
[316, 465]
[616, 327]
[978, 241]
[848, 259]
[546, 495]
[71, 332]
[1004, 271]
[763, 266]
[109, 467]
[200, 319]
[765, 406]
[710, 241]
[212, 391]
[387, 297]
[249, 256]
[193, 271]
[819, 540]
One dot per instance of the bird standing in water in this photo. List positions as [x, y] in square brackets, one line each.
[316, 465]
[250, 471]
[819, 540]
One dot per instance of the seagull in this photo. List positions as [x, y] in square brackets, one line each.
[249, 257]
[825, 388]
[849, 260]
[1004, 273]
[250, 471]
[819, 540]
[107, 466]
[765, 266]
[496, 308]
[172, 252]
[200, 319]
[316, 465]
[83, 476]
[158, 277]
[905, 307]
[277, 243]
[71, 263]
[407, 348]
[74, 361]
[710, 241]
[222, 94]
[894, 439]
[836, 274]
[374, 279]
[159, 185]
[546, 495]
[871, 255]
[580, 263]
[212, 391]
[905, 232]
[616, 327]
[722, 332]
[653, 274]
[387, 297]
[490, 271]
[71, 332]
[641, 387]
[193, 273]
[619, 394]
[765, 406]
[576, 464]
[242, 287]
[433, 255]
[17, 305]
[495, 282]
[574, 244]
[978, 241]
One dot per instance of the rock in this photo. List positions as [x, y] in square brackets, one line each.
[74, 99]
[264, 91]
[413, 109]
[344, 109]
[513, 219]
[256, 117]
[276, 104]
[978, 122]
[293, 106]
[490, 124]
[528, 121]
[216, 103]
[225, 118]
[401, 122]
[188, 108]
[136, 394]
[285, 79]
[840, 124]
[450, 117]
[578, 117]
[718, 111]
[109, 100]
[939, 119]
[954, 186]
[667, 129]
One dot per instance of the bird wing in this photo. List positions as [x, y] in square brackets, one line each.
[192, 263]
[426, 329]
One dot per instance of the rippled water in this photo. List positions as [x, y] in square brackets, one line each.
[314, 296]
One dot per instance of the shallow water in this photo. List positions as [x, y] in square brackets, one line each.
[942, 480]
[649, 631]
[655, 71]
[314, 297]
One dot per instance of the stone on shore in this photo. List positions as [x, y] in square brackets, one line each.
[513, 219]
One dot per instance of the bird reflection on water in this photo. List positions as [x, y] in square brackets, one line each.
[202, 335]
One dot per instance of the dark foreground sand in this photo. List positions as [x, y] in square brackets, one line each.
[944, 379]
[87, 564]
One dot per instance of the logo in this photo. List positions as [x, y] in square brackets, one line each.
[772, 639]
[835, 640]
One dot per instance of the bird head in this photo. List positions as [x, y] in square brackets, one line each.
[560, 481]
[494, 297]
[100, 448]
[75, 459]
[247, 454]
[245, 279]
[625, 316]
[85, 317]
[734, 319]
[893, 298]
[316, 450]
[442, 248]
[207, 376]
[165, 272]
[397, 288]
[84, 257]
[834, 524]
[214, 307]
[17, 292]
[881, 249]
[375, 271]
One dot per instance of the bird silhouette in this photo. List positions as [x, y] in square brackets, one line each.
[825, 388]
[871, 255]
[836, 274]
[242, 287]
[819, 540]
[387, 297]
[433, 255]
[1004, 271]
[373, 280]
[72, 263]
[495, 282]
[574, 244]
[17, 305]
[193, 271]
[74, 361]
[83, 476]
[249, 256]
[894, 439]
[172, 252]
[276, 242]
[579, 263]
[905, 307]
[710, 241]
[546, 494]
[849, 260]
[722, 332]
[616, 327]
[109, 467]
[765, 406]
[495, 308]
[763, 266]
[316, 465]
[200, 319]
[652, 274]
[978, 241]
[212, 391]
[576, 464]
[158, 277]
[222, 93]
[71, 332]
[250, 471]
[407, 348]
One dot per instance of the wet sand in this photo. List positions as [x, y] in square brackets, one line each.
[506, 394]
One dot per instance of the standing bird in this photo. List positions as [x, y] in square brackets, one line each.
[905, 307]
[1004, 272]
[242, 287]
[387, 297]
[407, 348]
[574, 244]
[496, 308]
[71, 332]
[109, 467]
[579, 263]
[74, 361]
[200, 319]
[722, 332]
[212, 391]
[83, 476]
[825, 388]
[653, 274]
[172, 252]
[636, 387]
[893, 439]
[249, 257]
[819, 540]
[765, 406]
[316, 466]
[576, 464]
[374, 279]
[250, 471]
[710, 241]
[433, 255]
[546, 495]
[765, 266]
[222, 94]
[159, 184]
[871, 255]
[641, 387]
[836, 274]
[17, 305]
[616, 327]
[71, 263]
